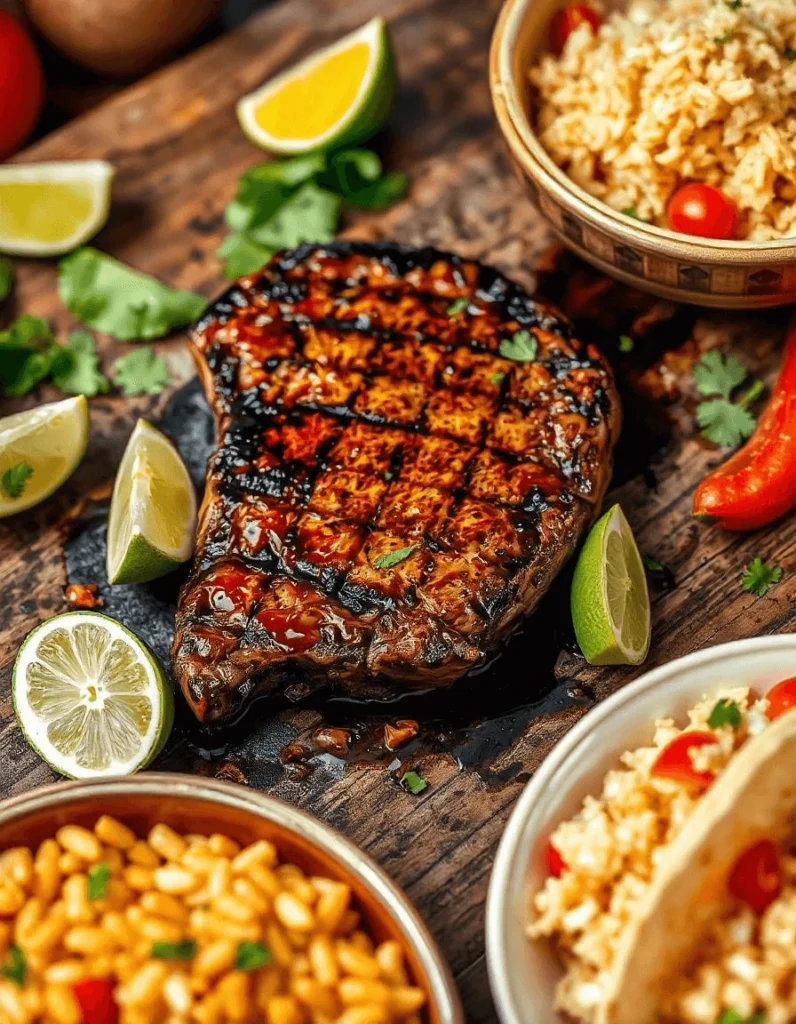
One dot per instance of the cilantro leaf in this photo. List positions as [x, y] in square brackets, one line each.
[173, 950]
[242, 255]
[107, 295]
[522, 347]
[725, 712]
[392, 558]
[724, 422]
[142, 372]
[457, 306]
[27, 350]
[309, 215]
[413, 782]
[15, 478]
[251, 955]
[716, 374]
[98, 878]
[15, 968]
[6, 278]
[76, 367]
[630, 211]
[758, 577]
[626, 343]
[653, 564]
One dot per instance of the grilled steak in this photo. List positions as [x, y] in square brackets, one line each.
[409, 449]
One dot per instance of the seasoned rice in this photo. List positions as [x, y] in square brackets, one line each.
[687, 90]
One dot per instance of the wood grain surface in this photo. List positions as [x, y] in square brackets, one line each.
[178, 151]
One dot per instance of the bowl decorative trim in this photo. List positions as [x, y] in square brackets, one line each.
[708, 272]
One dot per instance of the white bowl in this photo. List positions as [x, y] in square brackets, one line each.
[523, 974]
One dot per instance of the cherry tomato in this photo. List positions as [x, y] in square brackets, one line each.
[781, 698]
[756, 878]
[674, 761]
[567, 20]
[556, 864]
[21, 84]
[703, 210]
[95, 999]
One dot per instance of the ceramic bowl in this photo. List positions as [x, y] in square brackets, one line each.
[523, 974]
[202, 805]
[727, 275]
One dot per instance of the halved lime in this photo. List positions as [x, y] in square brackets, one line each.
[51, 208]
[339, 96]
[610, 602]
[39, 450]
[152, 520]
[90, 697]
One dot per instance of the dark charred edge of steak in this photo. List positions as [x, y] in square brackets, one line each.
[221, 670]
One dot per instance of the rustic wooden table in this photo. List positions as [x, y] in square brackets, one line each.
[178, 151]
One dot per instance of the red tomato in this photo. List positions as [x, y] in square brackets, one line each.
[781, 698]
[674, 761]
[21, 84]
[95, 999]
[756, 878]
[556, 864]
[567, 20]
[698, 209]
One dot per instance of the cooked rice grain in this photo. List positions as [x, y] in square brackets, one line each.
[689, 90]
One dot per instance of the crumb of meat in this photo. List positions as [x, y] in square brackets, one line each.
[612, 848]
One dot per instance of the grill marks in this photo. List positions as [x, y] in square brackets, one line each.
[389, 493]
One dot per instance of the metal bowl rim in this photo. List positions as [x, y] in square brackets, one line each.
[513, 847]
[350, 858]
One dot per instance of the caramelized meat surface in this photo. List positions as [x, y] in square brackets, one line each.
[391, 493]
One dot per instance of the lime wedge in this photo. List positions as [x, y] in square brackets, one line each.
[39, 450]
[340, 95]
[610, 602]
[152, 520]
[90, 697]
[49, 209]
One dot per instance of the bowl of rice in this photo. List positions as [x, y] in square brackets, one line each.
[652, 97]
[163, 899]
[590, 829]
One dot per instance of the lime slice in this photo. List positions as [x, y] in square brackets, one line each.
[610, 601]
[39, 450]
[49, 209]
[340, 95]
[152, 520]
[90, 697]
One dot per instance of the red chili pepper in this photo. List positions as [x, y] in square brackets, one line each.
[756, 878]
[567, 20]
[781, 698]
[758, 484]
[674, 761]
[95, 999]
[556, 864]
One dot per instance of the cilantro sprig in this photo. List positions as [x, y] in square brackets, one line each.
[521, 347]
[724, 421]
[173, 950]
[282, 203]
[725, 712]
[251, 955]
[29, 354]
[97, 881]
[15, 479]
[758, 577]
[142, 372]
[391, 558]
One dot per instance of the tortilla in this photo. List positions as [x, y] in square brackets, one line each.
[754, 798]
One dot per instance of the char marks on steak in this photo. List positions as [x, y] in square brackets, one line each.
[390, 494]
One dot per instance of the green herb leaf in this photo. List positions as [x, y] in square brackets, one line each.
[242, 255]
[724, 422]
[725, 712]
[759, 577]
[497, 377]
[15, 968]
[626, 343]
[109, 296]
[734, 5]
[716, 374]
[413, 782]
[521, 348]
[27, 350]
[251, 956]
[6, 278]
[174, 950]
[392, 558]
[734, 1017]
[653, 564]
[457, 306]
[76, 367]
[309, 215]
[15, 478]
[98, 878]
[142, 372]
[630, 211]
